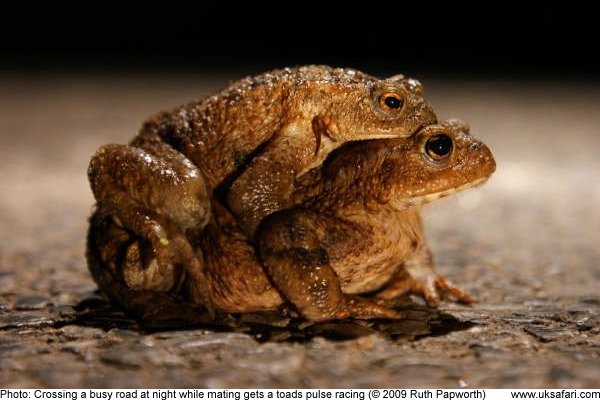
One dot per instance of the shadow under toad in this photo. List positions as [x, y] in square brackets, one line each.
[420, 322]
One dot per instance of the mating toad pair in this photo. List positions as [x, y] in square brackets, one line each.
[297, 189]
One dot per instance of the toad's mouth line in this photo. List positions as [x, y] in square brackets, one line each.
[432, 196]
[418, 200]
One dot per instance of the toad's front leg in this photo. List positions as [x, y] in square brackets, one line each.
[417, 276]
[296, 259]
[157, 194]
[266, 184]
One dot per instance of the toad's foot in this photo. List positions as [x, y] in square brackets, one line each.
[121, 261]
[418, 277]
[432, 288]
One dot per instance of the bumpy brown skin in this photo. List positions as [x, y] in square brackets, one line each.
[242, 147]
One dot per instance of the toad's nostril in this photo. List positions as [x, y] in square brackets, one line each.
[475, 146]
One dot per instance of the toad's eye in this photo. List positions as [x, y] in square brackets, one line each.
[439, 147]
[390, 101]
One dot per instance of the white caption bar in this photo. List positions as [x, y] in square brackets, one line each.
[297, 394]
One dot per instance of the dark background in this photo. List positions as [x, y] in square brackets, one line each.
[498, 40]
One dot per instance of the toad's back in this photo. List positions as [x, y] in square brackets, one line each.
[220, 133]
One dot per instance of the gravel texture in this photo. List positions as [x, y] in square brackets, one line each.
[527, 245]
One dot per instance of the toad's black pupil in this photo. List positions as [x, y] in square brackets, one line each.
[393, 102]
[440, 145]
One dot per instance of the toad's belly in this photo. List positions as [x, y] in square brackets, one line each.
[370, 262]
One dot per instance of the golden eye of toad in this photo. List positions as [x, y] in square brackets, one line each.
[390, 101]
[439, 147]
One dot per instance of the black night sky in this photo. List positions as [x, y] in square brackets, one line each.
[495, 41]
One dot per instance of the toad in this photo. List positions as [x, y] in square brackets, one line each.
[356, 228]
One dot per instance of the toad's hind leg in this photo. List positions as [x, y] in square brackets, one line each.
[157, 194]
[296, 259]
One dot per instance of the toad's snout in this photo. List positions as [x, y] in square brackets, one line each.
[483, 157]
